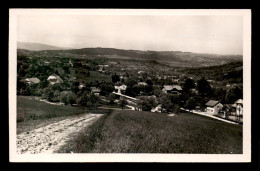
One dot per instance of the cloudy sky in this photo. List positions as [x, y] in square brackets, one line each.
[202, 34]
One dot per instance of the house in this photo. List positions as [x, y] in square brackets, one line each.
[239, 107]
[47, 62]
[120, 89]
[82, 85]
[113, 63]
[176, 80]
[194, 91]
[213, 107]
[142, 83]
[157, 109]
[31, 80]
[54, 79]
[70, 63]
[174, 89]
[95, 90]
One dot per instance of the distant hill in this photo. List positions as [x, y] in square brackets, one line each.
[230, 72]
[168, 57]
[37, 46]
[173, 58]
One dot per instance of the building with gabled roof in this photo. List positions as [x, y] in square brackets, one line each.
[142, 83]
[239, 107]
[95, 90]
[213, 107]
[174, 89]
[120, 89]
[54, 79]
[31, 80]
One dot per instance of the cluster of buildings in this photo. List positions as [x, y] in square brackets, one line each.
[214, 107]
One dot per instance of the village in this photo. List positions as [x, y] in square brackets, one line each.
[127, 85]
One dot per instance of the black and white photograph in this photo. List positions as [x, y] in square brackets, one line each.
[129, 85]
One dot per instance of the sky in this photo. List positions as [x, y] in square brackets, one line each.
[200, 34]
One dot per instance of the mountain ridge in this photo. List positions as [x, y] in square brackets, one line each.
[173, 58]
[38, 46]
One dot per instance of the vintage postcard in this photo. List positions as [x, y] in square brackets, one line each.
[130, 85]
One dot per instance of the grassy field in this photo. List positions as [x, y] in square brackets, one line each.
[32, 114]
[146, 132]
[94, 75]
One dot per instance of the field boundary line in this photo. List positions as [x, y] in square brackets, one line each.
[214, 117]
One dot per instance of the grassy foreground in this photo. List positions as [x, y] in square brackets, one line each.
[146, 132]
[32, 114]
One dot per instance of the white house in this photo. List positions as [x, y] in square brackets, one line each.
[239, 107]
[142, 83]
[82, 85]
[95, 91]
[32, 80]
[213, 107]
[54, 79]
[157, 109]
[120, 89]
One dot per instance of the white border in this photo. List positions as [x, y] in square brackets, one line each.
[245, 157]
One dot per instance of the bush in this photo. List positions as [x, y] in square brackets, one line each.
[190, 104]
[122, 103]
[146, 103]
[71, 98]
[112, 98]
[176, 109]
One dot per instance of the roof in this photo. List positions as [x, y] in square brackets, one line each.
[171, 87]
[177, 87]
[33, 80]
[233, 105]
[142, 83]
[95, 90]
[212, 103]
[54, 78]
[239, 101]
[122, 87]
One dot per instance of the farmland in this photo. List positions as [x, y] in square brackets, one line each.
[146, 132]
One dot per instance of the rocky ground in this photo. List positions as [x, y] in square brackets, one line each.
[49, 138]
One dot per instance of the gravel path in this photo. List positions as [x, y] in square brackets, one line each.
[49, 138]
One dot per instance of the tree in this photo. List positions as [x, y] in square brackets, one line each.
[71, 98]
[106, 88]
[82, 99]
[44, 83]
[189, 84]
[93, 99]
[122, 103]
[220, 94]
[203, 87]
[47, 93]
[165, 101]
[66, 70]
[63, 97]
[149, 82]
[190, 104]
[56, 96]
[115, 78]
[112, 98]
[146, 103]
[176, 109]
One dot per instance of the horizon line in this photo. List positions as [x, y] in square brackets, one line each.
[70, 48]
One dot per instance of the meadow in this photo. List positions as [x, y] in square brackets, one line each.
[32, 114]
[146, 132]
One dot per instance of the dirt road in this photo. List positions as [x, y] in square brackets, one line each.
[49, 138]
